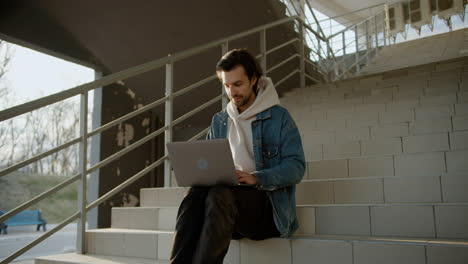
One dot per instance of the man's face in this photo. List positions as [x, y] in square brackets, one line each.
[238, 87]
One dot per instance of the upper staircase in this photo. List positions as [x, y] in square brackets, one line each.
[386, 179]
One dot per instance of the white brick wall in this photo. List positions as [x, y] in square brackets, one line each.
[425, 143]
[430, 126]
[362, 191]
[332, 252]
[352, 134]
[445, 99]
[460, 123]
[396, 116]
[406, 221]
[362, 119]
[412, 189]
[314, 193]
[267, 251]
[424, 164]
[341, 151]
[443, 255]
[389, 130]
[328, 169]
[313, 152]
[366, 108]
[461, 109]
[459, 140]
[454, 188]
[433, 111]
[382, 146]
[372, 253]
[331, 124]
[402, 105]
[306, 218]
[451, 221]
[456, 161]
[463, 97]
[371, 167]
[339, 220]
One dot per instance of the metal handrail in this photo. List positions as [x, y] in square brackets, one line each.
[22, 164]
[113, 78]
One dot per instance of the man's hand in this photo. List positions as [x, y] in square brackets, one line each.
[247, 178]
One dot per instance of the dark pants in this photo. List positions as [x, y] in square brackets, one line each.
[209, 217]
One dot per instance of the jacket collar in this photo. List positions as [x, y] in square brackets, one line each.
[260, 116]
[264, 115]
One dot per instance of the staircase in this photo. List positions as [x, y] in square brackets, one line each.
[386, 180]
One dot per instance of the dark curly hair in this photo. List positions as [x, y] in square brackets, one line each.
[241, 57]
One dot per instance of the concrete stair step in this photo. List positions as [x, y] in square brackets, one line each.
[441, 163]
[144, 218]
[431, 220]
[419, 149]
[384, 190]
[75, 258]
[374, 218]
[298, 249]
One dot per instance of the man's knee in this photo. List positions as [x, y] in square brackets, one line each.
[220, 197]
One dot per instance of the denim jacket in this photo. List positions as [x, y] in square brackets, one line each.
[279, 160]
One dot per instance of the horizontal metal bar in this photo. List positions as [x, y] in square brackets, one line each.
[125, 184]
[286, 77]
[311, 29]
[195, 85]
[196, 110]
[127, 116]
[38, 157]
[282, 45]
[282, 63]
[126, 150]
[312, 78]
[199, 135]
[40, 239]
[39, 198]
[109, 79]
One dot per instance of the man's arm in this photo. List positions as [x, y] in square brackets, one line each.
[291, 168]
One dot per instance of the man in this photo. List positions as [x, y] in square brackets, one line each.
[267, 152]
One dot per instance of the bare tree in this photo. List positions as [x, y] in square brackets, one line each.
[38, 131]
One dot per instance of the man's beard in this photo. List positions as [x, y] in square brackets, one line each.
[242, 102]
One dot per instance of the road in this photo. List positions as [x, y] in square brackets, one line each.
[18, 237]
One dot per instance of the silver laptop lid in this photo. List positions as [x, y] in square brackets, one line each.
[202, 162]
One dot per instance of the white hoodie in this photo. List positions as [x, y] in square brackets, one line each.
[240, 128]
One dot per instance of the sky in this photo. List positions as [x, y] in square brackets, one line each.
[32, 75]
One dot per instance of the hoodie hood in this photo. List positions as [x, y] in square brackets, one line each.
[266, 98]
[240, 127]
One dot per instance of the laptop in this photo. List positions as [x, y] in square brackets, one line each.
[202, 162]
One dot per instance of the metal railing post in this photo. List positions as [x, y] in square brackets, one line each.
[319, 51]
[358, 67]
[302, 51]
[387, 24]
[82, 190]
[168, 120]
[224, 99]
[344, 55]
[376, 37]
[263, 60]
[367, 42]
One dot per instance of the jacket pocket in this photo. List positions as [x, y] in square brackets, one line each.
[270, 151]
